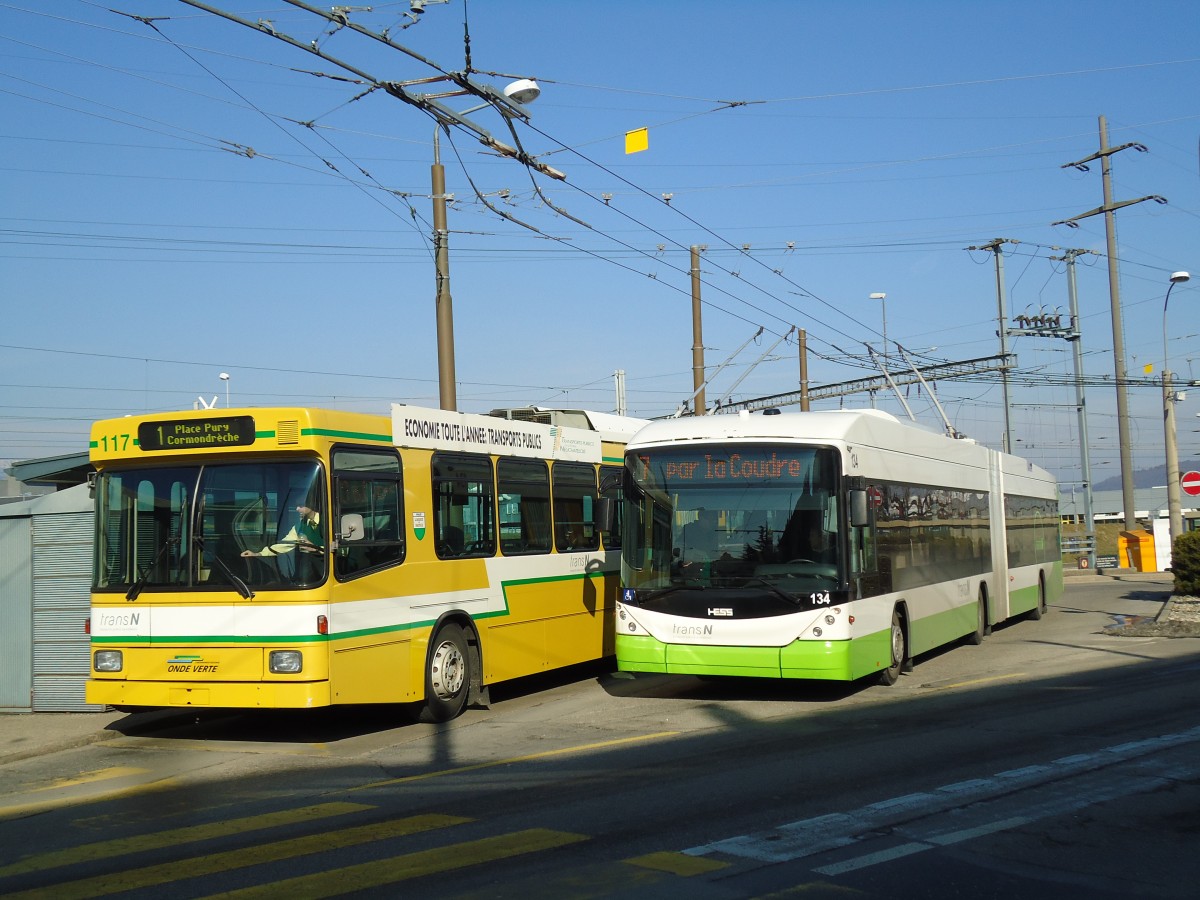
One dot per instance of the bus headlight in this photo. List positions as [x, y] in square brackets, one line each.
[108, 661]
[285, 662]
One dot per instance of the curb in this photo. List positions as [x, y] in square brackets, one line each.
[1096, 576]
[57, 746]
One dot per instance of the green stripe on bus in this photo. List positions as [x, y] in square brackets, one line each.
[341, 635]
[355, 435]
[186, 640]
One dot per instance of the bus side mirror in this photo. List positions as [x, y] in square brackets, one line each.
[351, 527]
[605, 514]
[860, 513]
[609, 481]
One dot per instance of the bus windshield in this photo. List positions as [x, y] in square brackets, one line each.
[220, 527]
[759, 515]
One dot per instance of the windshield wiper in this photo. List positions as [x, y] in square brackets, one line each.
[239, 585]
[693, 585]
[775, 590]
[136, 587]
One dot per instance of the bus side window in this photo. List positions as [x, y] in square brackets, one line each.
[464, 511]
[574, 500]
[610, 478]
[524, 488]
[864, 556]
[369, 489]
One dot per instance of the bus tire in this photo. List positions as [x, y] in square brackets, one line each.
[976, 636]
[447, 675]
[898, 643]
[1040, 610]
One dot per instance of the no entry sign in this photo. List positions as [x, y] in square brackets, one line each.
[1190, 482]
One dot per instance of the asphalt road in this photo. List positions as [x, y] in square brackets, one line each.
[1058, 757]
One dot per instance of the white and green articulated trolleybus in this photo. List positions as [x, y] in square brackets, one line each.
[824, 545]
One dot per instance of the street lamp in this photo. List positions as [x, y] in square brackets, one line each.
[522, 91]
[225, 378]
[1176, 517]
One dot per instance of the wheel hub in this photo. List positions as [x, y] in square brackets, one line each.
[447, 671]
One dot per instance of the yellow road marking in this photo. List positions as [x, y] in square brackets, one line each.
[677, 863]
[822, 889]
[20, 810]
[91, 778]
[364, 876]
[547, 754]
[177, 836]
[973, 681]
[165, 873]
[176, 745]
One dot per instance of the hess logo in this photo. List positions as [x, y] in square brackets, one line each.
[723, 611]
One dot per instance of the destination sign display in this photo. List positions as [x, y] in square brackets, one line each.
[748, 464]
[196, 434]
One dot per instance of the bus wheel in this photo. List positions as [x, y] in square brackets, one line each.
[1040, 610]
[976, 636]
[899, 647]
[447, 675]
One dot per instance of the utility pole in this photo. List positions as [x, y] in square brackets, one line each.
[619, 381]
[1075, 336]
[444, 307]
[698, 404]
[1173, 501]
[803, 343]
[996, 247]
[1114, 295]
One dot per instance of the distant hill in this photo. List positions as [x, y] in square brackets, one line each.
[1145, 478]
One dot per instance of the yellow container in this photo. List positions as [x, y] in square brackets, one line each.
[1136, 549]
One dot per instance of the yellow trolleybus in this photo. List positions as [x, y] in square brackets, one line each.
[294, 558]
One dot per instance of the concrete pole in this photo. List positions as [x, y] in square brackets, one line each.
[1118, 330]
[443, 305]
[697, 338]
[1174, 511]
[998, 249]
[803, 341]
[1085, 465]
[1173, 499]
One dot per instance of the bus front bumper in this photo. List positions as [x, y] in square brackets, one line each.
[818, 660]
[215, 694]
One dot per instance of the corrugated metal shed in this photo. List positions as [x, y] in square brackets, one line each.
[49, 591]
[16, 611]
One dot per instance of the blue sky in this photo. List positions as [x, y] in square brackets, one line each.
[184, 196]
